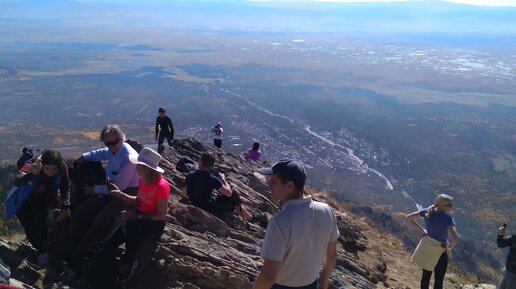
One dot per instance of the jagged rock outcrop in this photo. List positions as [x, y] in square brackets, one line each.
[198, 250]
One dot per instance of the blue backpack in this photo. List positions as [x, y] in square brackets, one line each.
[18, 196]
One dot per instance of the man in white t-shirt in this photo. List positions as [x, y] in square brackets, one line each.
[299, 238]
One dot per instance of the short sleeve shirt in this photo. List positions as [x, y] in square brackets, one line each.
[298, 236]
[200, 186]
[148, 195]
[437, 225]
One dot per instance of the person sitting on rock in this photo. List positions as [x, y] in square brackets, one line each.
[200, 185]
[254, 153]
[93, 219]
[148, 209]
[47, 178]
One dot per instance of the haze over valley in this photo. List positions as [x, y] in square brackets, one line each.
[386, 104]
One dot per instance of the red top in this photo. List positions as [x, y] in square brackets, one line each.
[149, 194]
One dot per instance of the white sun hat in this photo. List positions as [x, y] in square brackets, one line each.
[149, 158]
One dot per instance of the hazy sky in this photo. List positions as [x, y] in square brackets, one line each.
[472, 2]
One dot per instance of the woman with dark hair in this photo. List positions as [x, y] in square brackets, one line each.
[254, 153]
[432, 251]
[47, 177]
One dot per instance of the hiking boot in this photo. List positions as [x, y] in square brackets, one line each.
[126, 270]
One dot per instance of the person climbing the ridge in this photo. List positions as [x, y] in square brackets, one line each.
[433, 249]
[508, 280]
[148, 210]
[47, 179]
[164, 129]
[298, 239]
[93, 219]
[200, 185]
[254, 153]
[217, 135]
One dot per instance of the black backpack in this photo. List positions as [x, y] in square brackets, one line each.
[185, 165]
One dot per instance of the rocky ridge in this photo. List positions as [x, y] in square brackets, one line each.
[199, 250]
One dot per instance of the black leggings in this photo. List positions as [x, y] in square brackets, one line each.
[440, 271]
[134, 232]
[33, 217]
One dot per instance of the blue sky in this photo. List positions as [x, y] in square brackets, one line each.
[471, 2]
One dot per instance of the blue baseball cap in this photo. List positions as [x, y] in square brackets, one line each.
[288, 169]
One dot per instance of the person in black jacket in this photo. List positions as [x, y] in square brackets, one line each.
[164, 129]
[509, 273]
[48, 176]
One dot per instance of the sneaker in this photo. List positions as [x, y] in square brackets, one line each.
[126, 271]
[43, 259]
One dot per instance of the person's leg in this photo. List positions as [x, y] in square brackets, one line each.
[137, 231]
[501, 284]
[218, 143]
[425, 279]
[82, 220]
[440, 271]
[161, 139]
[103, 221]
[169, 139]
[29, 216]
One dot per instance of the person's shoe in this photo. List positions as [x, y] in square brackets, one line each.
[261, 219]
[43, 259]
[126, 270]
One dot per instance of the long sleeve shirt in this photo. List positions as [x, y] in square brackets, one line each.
[502, 242]
[62, 187]
[164, 125]
[119, 169]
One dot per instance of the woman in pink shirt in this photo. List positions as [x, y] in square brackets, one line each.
[150, 208]
[254, 153]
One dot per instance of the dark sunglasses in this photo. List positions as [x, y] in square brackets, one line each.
[112, 143]
[449, 205]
